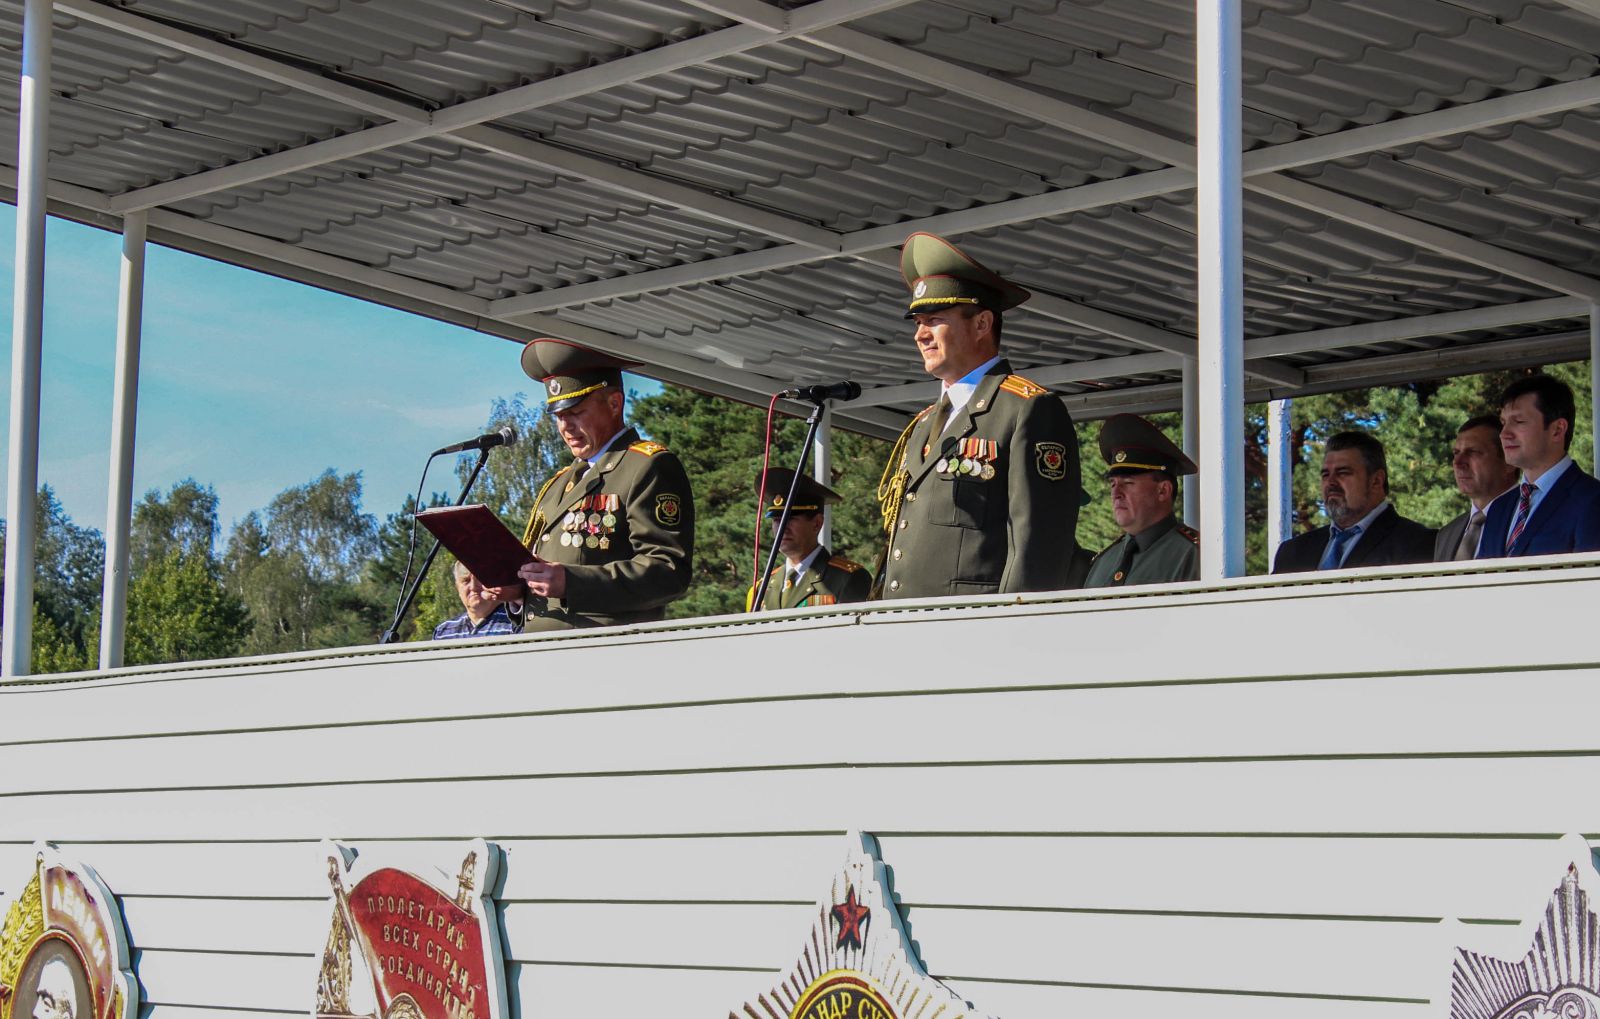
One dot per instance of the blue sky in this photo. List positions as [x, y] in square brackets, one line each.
[248, 383]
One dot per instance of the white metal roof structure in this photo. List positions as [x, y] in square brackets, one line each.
[717, 188]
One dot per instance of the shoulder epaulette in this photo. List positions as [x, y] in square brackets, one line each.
[1189, 532]
[1019, 386]
[840, 562]
[647, 448]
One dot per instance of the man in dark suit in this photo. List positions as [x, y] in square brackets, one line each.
[1365, 529]
[1482, 475]
[1556, 508]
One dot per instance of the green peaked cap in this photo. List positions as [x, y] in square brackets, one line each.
[570, 372]
[810, 495]
[1131, 445]
[939, 275]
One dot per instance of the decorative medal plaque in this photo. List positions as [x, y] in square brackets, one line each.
[63, 948]
[402, 948]
[857, 962]
[1559, 976]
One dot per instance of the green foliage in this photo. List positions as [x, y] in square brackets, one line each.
[297, 567]
[719, 442]
[179, 611]
[182, 521]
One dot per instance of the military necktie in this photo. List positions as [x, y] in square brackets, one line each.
[1524, 509]
[1468, 548]
[941, 417]
[790, 579]
[579, 469]
[1333, 558]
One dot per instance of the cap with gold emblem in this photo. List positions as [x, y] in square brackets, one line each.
[570, 372]
[1130, 445]
[940, 274]
[810, 495]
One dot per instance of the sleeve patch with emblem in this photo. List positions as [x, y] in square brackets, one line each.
[669, 509]
[1019, 386]
[648, 448]
[1050, 459]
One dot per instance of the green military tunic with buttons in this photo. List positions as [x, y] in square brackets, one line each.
[827, 581]
[1006, 525]
[628, 570]
[1160, 554]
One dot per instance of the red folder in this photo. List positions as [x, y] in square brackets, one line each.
[474, 535]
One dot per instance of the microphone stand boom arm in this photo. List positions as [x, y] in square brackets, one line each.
[392, 634]
[765, 580]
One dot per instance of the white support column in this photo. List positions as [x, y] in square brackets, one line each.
[1280, 477]
[124, 420]
[1191, 438]
[27, 338]
[1220, 229]
[822, 468]
[1594, 378]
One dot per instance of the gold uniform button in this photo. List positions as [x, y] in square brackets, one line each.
[903, 524]
[545, 538]
[894, 585]
[899, 552]
[911, 497]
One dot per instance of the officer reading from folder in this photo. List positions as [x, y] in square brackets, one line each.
[613, 532]
[808, 575]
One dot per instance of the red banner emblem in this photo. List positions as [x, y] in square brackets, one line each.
[402, 948]
[425, 945]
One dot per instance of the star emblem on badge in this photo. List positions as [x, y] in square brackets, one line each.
[853, 920]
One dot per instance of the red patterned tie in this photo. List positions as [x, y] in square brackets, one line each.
[1523, 506]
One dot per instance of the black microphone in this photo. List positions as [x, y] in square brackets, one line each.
[817, 394]
[506, 436]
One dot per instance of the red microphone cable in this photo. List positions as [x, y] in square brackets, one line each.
[761, 494]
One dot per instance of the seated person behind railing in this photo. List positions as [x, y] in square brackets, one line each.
[1365, 529]
[486, 612]
[1142, 466]
[1556, 508]
[1482, 475]
[808, 575]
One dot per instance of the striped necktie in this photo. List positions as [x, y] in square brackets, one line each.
[1524, 509]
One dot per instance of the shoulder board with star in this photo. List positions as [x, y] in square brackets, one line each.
[1019, 386]
[647, 448]
[839, 562]
[1189, 532]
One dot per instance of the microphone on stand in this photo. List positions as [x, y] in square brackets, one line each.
[818, 394]
[506, 436]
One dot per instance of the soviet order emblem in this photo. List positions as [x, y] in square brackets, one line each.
[857, 962]
[401, 948]
[1051, 460]
[1547, 967]
[63, 948]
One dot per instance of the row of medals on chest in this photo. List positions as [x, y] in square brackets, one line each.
[975, 457]
[591, 523]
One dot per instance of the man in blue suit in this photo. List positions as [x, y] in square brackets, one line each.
[1556, 508]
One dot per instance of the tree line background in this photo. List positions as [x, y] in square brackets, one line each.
[312, 569]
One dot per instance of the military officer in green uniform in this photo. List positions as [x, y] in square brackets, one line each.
[980, 494]
[1143, 466]
[613, 531]
[808, 575]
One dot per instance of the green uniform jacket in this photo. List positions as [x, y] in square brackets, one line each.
[1165, 552]
[828, 581]
[650, 547]
[965, 535]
